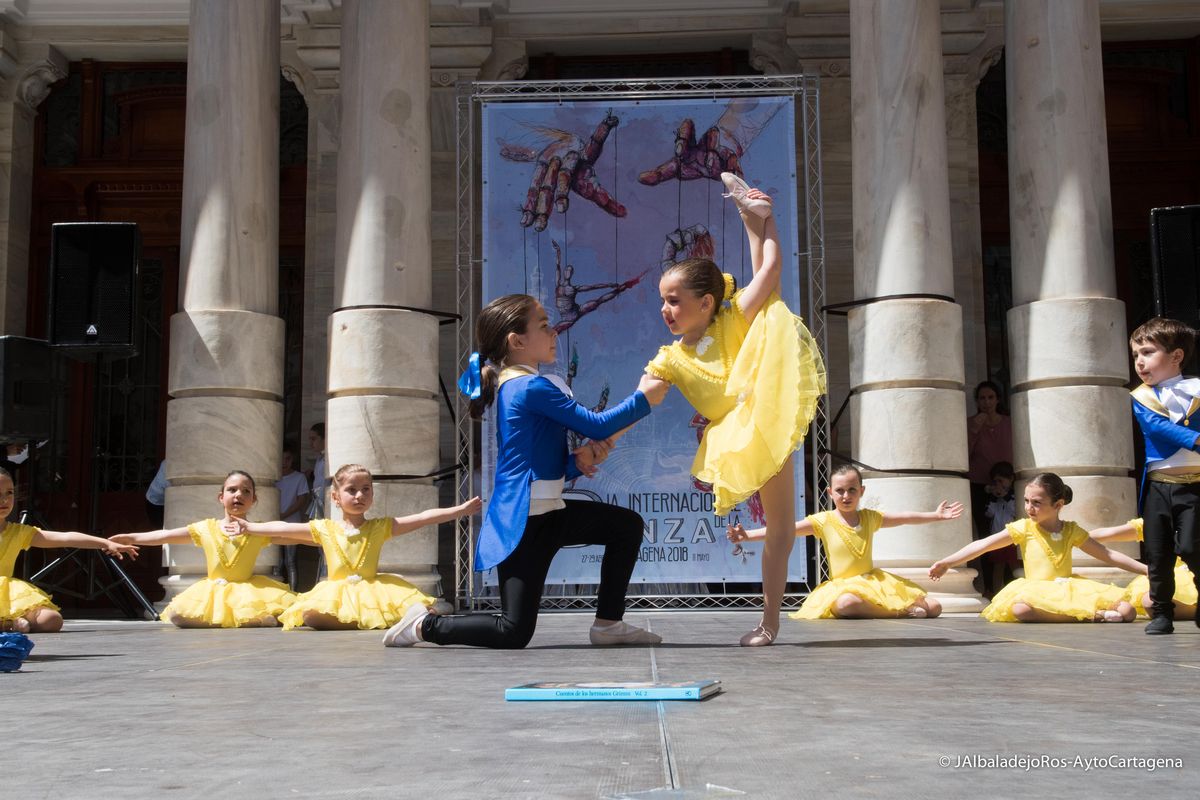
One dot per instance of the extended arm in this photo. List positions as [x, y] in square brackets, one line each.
[151, 538]
[548, 400]
[434, 516]
[280, 532]
[1099, 551]
[945, 511]
[974, 549]
[1117, 533]
[83, 540]
[736, 533]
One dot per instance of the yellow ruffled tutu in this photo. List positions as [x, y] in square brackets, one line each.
[371, 604]
[18, 598]
[778, 377]
[1185, 589]
[877, 587]
[1074, 597]
[230, 604]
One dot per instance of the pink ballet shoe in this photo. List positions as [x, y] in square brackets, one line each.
[737, 190]
[759, 637]
[917, 612]
[1109, 616]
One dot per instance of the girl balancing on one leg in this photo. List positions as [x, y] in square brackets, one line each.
[749, 365]
[527, 520]
[1138, 590]
[230, 596]
[24, 607]
[855, 589]
[1049, 592]
[355, 596]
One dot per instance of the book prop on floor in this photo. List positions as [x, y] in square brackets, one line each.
[619, 690]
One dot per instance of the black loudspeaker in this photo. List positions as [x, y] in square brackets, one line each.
[1175, 254]
[24, 389]
[94, 288]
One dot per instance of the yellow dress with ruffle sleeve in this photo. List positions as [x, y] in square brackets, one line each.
[354, 592]
[1048, 584]
[18, 598]
[231, 594]
[758, 382]
[1185, 582]
[852, 571]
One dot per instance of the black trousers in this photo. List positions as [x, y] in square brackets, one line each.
[1170, 518]
[523, 574]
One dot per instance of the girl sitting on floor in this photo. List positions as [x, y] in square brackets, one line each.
[856, 589]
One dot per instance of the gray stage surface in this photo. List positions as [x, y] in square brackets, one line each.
[890, 708]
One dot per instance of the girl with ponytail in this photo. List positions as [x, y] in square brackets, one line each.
[527, 520]
[1049, 592]
[748, 365]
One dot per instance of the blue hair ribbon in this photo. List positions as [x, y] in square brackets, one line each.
[471, 380]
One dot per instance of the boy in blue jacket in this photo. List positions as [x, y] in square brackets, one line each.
[1165, 405]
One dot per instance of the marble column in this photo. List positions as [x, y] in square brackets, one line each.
[1068, 343]
[226, 366]
[383, 409]
[25, 84]
[906, 358]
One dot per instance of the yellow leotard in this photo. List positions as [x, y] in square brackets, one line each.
[1048, 584]
[851, 568]
[231, 595]
[354, 592]
[18, 598]
[758, 382]
[1139, 587]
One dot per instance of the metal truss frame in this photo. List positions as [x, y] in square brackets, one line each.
[469, 101]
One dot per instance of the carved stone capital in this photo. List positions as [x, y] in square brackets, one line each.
[37, 78]
[976, 63]
[509, 61]
[296, 76]
[771, 55]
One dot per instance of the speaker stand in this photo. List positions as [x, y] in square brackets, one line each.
[92, 563]
[102, 572]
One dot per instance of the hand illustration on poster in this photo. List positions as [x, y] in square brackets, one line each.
[565, 163]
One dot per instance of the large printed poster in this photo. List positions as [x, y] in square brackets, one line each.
[584, 204]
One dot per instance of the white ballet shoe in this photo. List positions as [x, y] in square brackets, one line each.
[621, 633]
[407, 631]
[737, 190]
[1110, 616]
[918, 612]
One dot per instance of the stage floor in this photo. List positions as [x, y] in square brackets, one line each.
[834, 709]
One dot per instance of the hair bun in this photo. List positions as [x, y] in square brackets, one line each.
[730, 285]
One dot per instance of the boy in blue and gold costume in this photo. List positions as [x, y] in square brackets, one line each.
[1165, 405]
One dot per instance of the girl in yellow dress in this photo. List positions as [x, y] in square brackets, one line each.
[856, 589]
[1049, 592]
[745, 362]
[24, 607]
[230, 595]
[1138, 590]
[355, 596]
